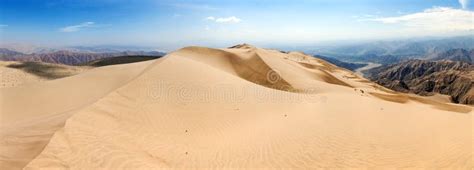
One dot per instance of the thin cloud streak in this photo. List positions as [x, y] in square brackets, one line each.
[75, 28]
[231, 19]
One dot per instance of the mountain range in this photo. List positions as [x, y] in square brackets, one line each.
[30, 49]
[424, 67]
[425, 77]
[339, 63]
[69, 57]
[462, 55]
[390, 52]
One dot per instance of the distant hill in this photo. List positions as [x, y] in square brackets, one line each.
[381, 59]
[118, 60]
[73, 58]
[390, 52]
[462, 55]
[7, 52]
[30, 49]
[424, 77]
[406, 48]
[346, 65]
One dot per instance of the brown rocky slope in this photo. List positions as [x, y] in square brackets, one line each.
[423, 77]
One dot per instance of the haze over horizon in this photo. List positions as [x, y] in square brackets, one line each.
[173, 24]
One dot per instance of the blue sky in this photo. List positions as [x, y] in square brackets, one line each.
[173, 24]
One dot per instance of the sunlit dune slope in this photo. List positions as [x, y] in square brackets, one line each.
[31, 113]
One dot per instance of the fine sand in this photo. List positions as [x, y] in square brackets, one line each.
[14, 73]
[241, 107]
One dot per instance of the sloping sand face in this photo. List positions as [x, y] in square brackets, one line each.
[31, 114]
[14, 73]
[254, 108]
[11, 77]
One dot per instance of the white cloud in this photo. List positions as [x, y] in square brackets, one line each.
[439, 19]
[464, 3]
[211, 18]
[231, 19]
[75, 28]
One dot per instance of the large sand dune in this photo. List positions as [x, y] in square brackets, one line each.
[241, 107]
[31, 114]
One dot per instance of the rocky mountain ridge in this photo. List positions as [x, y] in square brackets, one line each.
[424, 77]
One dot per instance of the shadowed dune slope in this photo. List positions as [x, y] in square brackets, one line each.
[16, 73]
[119, 60]
[246, 107]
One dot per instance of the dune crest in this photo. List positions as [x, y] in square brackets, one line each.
[247, 107]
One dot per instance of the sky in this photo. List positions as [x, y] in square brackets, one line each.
[175, 23]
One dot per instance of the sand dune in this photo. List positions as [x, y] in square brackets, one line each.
[15, 73]
[11, 77]
[241, 107]
[30, 114]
